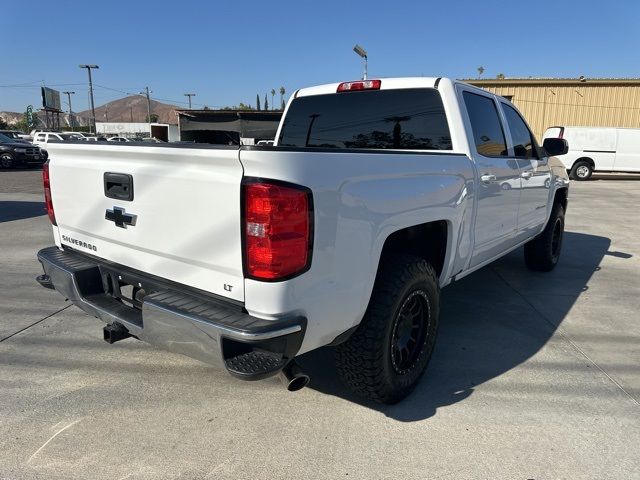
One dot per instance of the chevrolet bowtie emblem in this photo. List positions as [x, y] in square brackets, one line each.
[120, 217]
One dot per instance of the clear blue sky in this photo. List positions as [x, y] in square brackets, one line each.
[226, 52]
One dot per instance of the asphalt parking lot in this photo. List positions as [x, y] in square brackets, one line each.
[535, 376]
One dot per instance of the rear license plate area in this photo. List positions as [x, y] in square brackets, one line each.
[125, 288]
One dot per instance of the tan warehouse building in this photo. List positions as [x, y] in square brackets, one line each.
[594, 102]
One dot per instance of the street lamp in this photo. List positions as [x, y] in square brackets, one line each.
[363, 53]
[93, 110]
[189, 95]
[68, 94]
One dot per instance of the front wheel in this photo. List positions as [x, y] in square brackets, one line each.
[581, 171]
[388, 353]
[543, 252]
[6, 160]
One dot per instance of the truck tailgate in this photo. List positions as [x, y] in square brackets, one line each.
[185, 207]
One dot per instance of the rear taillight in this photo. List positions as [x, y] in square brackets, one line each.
[359, 85]
[277, 229]
[47, 193]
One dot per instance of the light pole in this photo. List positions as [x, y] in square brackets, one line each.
[93, 109]
[363, 53]
[146, 93]
[189, 95]
[68, 94]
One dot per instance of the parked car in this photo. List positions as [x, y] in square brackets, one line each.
[598, 149]
[71, 135]
[17, 153]
[377, 194]
[266, 143]
[118, 139]
[93, 139]
[15, 135]
[41, 139]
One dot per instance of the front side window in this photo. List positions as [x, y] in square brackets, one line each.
[407, 119]
[521, 136]
[485, 123]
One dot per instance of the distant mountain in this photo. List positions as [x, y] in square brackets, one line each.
[127, 109]
[133, 108]
[11, 117]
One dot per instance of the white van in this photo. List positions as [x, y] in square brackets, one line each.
[598, 149]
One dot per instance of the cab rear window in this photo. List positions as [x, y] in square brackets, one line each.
[407, 119]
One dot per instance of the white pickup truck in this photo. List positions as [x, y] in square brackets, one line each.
[376, 194]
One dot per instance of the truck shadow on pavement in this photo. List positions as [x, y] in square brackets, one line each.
[490, 322]
[14, 210]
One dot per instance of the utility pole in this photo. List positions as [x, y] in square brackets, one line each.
[93, 109]
[146, 93]
[68, 94]
[189, 95]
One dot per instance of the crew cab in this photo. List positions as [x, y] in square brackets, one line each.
[376, 194]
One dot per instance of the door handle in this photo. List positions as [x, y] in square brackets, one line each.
[527, 174]
[488, 178]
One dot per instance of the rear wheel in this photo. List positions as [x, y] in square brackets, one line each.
[543, 252]
[581, 170]
[388, 353]
[6, 160]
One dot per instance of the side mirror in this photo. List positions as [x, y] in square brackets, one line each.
[555, 146]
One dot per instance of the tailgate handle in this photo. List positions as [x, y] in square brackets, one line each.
[118, 186]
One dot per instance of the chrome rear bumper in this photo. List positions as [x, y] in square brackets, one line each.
[175, 317]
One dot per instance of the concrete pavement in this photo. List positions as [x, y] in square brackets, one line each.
[535, 376]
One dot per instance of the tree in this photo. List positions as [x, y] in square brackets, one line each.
[206, 107]
[242, 106]
[3, 125]
[154, 118]
[480, 71]
[257, 102]
[266, 102]
[282, 92]
[24, 125]
[273, 94]
[500, 76]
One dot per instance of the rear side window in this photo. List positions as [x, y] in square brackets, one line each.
[485, 123]
[521, 136]
[407, 119]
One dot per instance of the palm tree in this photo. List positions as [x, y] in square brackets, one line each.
[282, 92]
[480, 71]
[273, 94]
[500, 76]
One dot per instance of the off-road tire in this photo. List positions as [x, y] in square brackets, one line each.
[581, 171]
[543, 252]
[367, 362]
